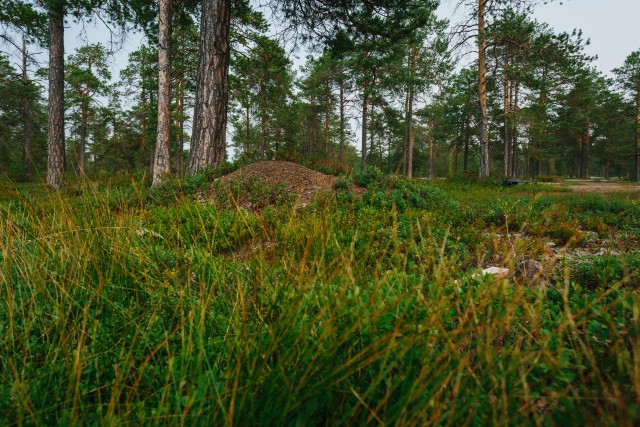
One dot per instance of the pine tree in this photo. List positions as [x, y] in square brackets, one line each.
[628, 77]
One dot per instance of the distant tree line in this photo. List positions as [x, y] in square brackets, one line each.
[531, 104]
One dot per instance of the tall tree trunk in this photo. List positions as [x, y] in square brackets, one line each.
[162, 155]
[482, 91]
[507, 140]
[247, 130]
[456, 151]
[327, 95]
[579, 161]
[143, 112]
[467, 125]
[210, 112]
[636, 163]
[365, 110]
[405, 139]
[410, 114]
[55, 121]
[432, 152]
[26, 115]
[82, 148]
[514, 133]
[94, 129]
[341, 118]
[587, 142]
[180, 159]
[313, 142]
[263, 136]
[372, 129]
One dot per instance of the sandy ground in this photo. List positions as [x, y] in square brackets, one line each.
[602, 187]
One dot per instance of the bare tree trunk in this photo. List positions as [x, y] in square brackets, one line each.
[411, 137]
[587, 142]
[579, 157]
[410, 114]
[514, 134]
[327, 95]
[372, 129]
[456, 153]
[26, 115]
[482, 91]
[365, 108]
[465, 160]
[94, 129]
[247, 131]
[263, 130]
[507, 140]
[405, 139]
[143, 112]
[432, 152]
[55, 137]
[180, 160]
[82, 148]
[210, 113]
[341, 118]
[636, 162]
[313, 142]
[162, 155]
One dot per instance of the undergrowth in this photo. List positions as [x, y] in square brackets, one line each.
[123, 305]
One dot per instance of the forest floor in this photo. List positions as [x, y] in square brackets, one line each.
[121, 304]
[601, 187]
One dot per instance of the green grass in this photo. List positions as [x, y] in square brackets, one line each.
[121, 305]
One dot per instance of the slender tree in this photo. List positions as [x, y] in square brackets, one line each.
[87, 74]
[628, 77]
[161, 159]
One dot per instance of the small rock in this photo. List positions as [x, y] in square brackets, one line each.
[498, 272]
[141, 232]
[532, 269]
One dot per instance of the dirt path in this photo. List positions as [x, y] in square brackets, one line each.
[602, 187]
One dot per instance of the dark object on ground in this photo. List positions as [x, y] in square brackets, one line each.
[510, 182]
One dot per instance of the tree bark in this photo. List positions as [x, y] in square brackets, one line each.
[341, 118]
[405, 139]
[82, 147]
[432, 152]
[579, 162]
[55, 136]
[327, 96]
[467, 125]
[410, 114]
[210, 112]
[365, 108]
[180, 159]
[587, 143]
[162, 155]
[263, 136]
[247, 130]
[514, 133]
[507, 140]
[482, 91]
[636, 163]
[26, 115]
